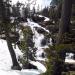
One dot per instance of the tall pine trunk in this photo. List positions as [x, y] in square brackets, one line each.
[6, 22]
[15, 65]
[65, 19]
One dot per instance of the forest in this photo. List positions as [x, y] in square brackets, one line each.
[37, 40]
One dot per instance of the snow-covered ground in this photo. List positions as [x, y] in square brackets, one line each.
[6, 62]
[16, 72]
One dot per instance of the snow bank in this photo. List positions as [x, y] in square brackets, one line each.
[70, 61]
[22, 72]
[30, 72]
[5, 58]
[40, 67]
[40, 16]
[70, 58]
[6, 62]
[46, 18]
[17, 51]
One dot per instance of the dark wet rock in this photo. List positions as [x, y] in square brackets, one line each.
[29, 66]
[38, 19]
[43, 55]
[31, 55]
[52, 28]
[16, 67]
[30, 42]
[18, 42]
[68, 38]
[14, 36]
[40, 30]
[43, 42]
[69, 67]
[57, 68]
[48, 23]
[21, 19]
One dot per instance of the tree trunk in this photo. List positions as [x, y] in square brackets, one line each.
[73, 1]
[5, 18]
[12, 53]
[65, 19]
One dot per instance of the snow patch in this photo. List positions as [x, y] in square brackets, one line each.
[70, 58]
[6, 62]
[46, 19]
[40, 67]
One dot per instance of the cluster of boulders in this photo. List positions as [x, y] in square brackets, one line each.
[37, 18]
[48, 24]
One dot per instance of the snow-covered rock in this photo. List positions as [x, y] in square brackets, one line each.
[70, 58]
[46, 18]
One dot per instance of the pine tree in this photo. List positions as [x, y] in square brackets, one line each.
[65, 18]
[5, 24]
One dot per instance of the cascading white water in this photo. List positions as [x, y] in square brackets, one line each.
[37, 39]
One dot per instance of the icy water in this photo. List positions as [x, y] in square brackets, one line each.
[37, 39]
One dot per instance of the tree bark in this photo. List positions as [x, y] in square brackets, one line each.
[65, 19]
[12, 53]
[6, 21]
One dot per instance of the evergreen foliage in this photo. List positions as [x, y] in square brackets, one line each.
[26, 45]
